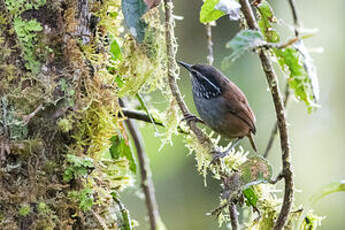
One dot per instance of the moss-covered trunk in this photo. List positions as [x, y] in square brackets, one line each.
[57, 115]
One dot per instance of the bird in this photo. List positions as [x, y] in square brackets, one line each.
[221, 105]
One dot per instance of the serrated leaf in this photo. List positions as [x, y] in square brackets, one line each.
[291, 62]
[254, 171]
[208, 13]
[251, 197]
[119, 148]
[243, 41]
[132, 11]
[329, 189]
[266, 19]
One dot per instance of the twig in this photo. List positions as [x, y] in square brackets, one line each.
[172, 67]
[295, 16]
[143, 104]
[275, 127]
[141, 116]
[210, 56]
[281, 45]
[281, 118]
[138, 115]
[287, 91]
[233, 216]
[145, 172]
[27, 118]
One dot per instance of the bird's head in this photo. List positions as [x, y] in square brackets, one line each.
[206, 79]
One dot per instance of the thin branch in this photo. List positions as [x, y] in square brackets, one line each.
[210, 56]
[287, 91]
[172, 68]
[145, 172]
[294, 16]
[275, 127]
[281, 118]
[281, 45]
[141, 116]
[138, 115]
[143, 104]
[233, 216]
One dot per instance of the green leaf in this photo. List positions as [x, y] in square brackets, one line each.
[120, 148]
[132, 11]
[329, 189]
[208, 13]
[291, 62]
[243, 41]
[310, 68]
[266, 19]
[115, 50]
[254, 171]
[211, 10]
[251, 197]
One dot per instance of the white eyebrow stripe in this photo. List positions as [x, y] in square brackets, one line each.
[213, 85]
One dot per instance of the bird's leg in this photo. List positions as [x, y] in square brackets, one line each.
[218, 155]
[190, 117]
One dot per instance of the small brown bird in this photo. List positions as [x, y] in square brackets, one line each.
[221, 104]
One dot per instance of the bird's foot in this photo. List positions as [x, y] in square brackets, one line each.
[190, 117]
[217, 155]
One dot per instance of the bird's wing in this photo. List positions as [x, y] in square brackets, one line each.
[238, 105]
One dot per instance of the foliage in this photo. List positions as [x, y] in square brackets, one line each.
[244, 41]
[208, 13]
[119, 148]
[295, 61]
[78, 167]
[211, 10]
[26, 30]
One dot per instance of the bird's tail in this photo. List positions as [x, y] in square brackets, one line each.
[250, 137]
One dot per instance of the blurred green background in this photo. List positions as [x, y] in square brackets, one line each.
[317, 139]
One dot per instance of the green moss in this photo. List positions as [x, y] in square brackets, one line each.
[83, 197]
[26, 33]
[24, 210]
[77, 167]
[65, 125]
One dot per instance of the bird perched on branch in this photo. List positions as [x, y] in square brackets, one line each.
[221, 104]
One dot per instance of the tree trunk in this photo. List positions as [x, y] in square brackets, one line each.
[57, 115]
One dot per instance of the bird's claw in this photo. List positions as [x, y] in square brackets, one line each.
[190, 117]
[217, 156]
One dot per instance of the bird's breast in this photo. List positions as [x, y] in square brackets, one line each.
[210, 110]
[215, 113]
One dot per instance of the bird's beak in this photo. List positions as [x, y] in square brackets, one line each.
[185, 65]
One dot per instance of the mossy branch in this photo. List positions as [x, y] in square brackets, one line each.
[172, 68]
